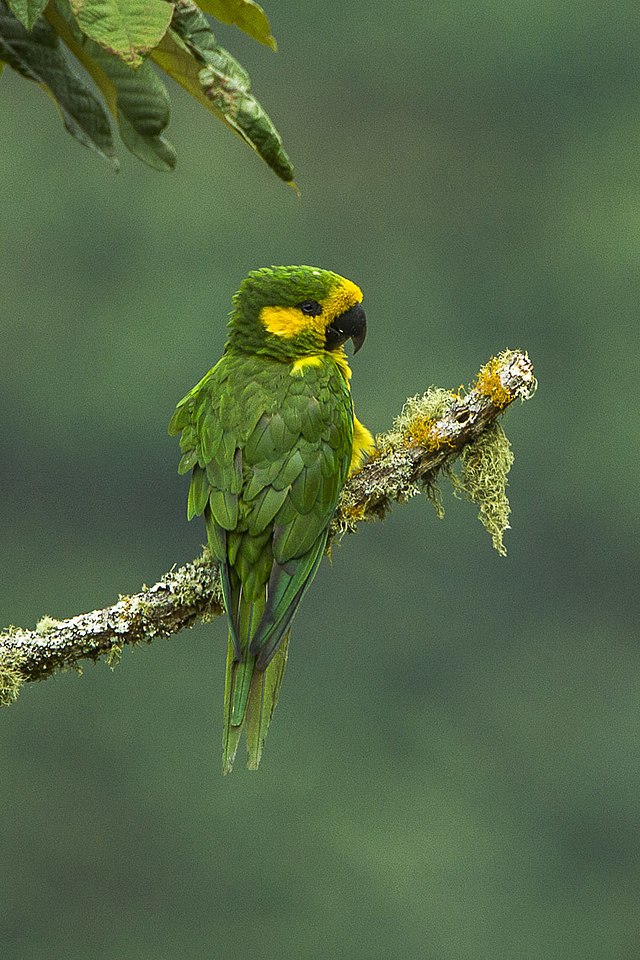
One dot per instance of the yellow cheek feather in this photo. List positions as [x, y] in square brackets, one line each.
[291, 321]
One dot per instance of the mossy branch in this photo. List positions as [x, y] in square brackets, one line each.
[432, 432]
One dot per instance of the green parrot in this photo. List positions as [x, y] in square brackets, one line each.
[271, 436]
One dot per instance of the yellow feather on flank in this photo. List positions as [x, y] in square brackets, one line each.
[363, 445]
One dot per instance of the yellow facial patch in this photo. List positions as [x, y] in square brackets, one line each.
[291, 321]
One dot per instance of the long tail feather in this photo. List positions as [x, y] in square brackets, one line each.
[249, 615]
[262, 696]
[242, 674]
[230, 734]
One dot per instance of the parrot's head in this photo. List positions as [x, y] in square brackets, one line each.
[294, 312]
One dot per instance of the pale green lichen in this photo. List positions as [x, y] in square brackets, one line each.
[114, 656]
[434, 494]
[485, 464]
[478, 470]
[347, 520]
[413, 426]
[11, 677]
[45, 625]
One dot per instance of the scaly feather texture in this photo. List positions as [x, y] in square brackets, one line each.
[270, 437]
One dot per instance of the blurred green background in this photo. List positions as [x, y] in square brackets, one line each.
[454, 768]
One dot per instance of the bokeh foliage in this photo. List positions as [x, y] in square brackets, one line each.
[454, 771]
[115, 42]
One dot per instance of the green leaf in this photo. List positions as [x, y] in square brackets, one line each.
[137, 98]
[174, 57]
[245, 14]
[37, 55]
[130, 29]
[27, 11]
[189, 53]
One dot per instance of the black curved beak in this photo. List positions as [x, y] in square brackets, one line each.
[350, 325]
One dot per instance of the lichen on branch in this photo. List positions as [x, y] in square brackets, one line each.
[431, 434]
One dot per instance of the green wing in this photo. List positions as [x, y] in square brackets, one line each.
[296, 461]
[197, 418]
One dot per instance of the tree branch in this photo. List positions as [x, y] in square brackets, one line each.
[429, 435]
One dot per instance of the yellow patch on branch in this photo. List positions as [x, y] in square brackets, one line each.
[488, 382]
[422, 432]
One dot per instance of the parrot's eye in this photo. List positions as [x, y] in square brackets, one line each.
[310, 307]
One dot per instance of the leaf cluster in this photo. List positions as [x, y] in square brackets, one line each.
[102, 60]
